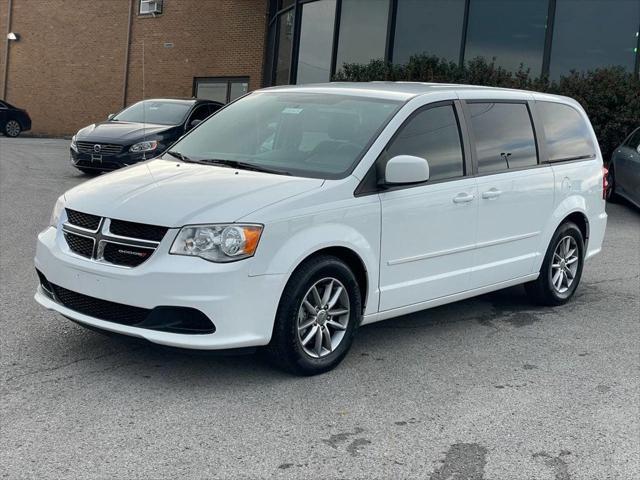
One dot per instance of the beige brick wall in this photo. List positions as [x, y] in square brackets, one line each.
[67, 69]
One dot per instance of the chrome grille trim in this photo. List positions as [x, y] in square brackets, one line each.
[102, 237]
[105, 149]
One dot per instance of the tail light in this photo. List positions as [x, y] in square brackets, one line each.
[605, 182]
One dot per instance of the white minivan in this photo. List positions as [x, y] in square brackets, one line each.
[296, 214]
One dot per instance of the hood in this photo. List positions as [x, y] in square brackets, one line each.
[173, 194]
[121, 132]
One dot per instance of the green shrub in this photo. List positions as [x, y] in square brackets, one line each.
[611, 96]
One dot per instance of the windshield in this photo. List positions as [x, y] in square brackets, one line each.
[306, 134]
[153, 111]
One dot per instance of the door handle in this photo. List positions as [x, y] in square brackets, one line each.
[492, 193]
[463, 198]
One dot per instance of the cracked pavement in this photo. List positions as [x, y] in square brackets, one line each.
[489, 388]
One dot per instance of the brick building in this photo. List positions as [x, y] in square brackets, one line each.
[72, 64]
[75, 61]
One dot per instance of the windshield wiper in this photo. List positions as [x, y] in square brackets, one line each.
[180, 156]
[243, 166]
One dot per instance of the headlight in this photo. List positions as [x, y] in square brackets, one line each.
[73, 144]
[218, 243]
[144, 146]
[57, 211]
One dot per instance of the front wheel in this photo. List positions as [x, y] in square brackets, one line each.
[561, 268]
[610, 191]
[318, 314]
[12, 128]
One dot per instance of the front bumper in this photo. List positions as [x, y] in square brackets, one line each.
[107, 163]
[242, 307]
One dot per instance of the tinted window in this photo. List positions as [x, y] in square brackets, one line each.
[306, 134]
[511, 31]
[567, 135]
[432, 134]
[200, 113]
[634, 140]
[316, 41]
[433, 27]
[594, 33]
[503, 136]
[285, 40]
[152, 111]
[363, 31]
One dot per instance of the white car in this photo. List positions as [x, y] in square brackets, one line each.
[296, 214]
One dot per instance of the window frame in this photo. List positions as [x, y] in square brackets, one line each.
[535, 125]
[544, 157]
[227, 80]
[371, 183]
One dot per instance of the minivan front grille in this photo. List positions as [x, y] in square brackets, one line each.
[104, 149]
[116, 242]
[138, 230]
[79, 244]
[83, 220]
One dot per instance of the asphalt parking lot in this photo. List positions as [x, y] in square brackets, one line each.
[490, 388]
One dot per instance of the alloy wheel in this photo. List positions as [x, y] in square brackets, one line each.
[12, 128]
[564, 266]
[323, 317]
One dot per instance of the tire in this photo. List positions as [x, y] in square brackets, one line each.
[12, 128]
[296, 322]
[545, 290]
[610, 193]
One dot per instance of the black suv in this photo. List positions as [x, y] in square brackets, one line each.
[139, 132]
[13, 120]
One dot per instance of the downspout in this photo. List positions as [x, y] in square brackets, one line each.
[126, 56]
[6, 51]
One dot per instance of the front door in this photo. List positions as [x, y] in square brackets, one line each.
[428, 230]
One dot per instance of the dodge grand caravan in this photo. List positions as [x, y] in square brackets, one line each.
[296, 214]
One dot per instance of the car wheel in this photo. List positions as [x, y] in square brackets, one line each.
[12, 128]
[561, 268]
[317, 317]
[610, 192]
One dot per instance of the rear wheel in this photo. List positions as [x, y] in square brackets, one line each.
[561, 268]
[317, 317]
[12, 128]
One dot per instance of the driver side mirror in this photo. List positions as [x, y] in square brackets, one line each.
[194, 123]
[406, 169]
[110, 116]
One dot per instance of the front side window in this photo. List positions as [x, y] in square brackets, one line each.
[305, 134]
[566, 133]
[634, 139]
[504, 137]
[153, 111]
[432, 134]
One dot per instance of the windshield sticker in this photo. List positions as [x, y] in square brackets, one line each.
[292, 111]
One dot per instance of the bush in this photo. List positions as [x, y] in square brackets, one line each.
[610, 96]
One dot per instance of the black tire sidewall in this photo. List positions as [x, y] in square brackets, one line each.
[571, 229]
[286, 329]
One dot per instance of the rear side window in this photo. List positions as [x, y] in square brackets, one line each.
[567, 135]
[432, 134]
[504, 137]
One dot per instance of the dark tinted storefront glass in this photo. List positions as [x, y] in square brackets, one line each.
[285, 39]
[566, 133]
[503, 136]
[433, 27]
[594, 33]
[363, 31]
[432, 134]
[511, 31]
[316, 41]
